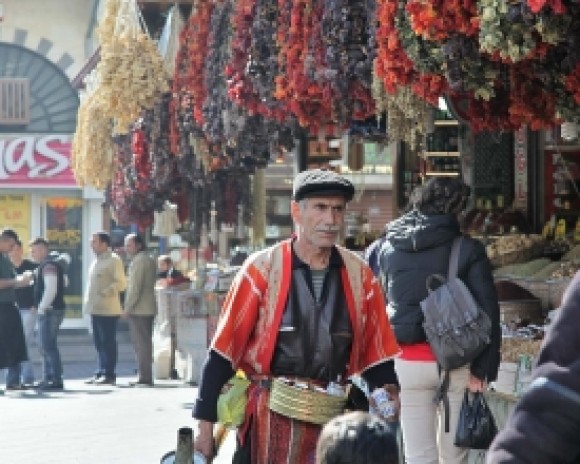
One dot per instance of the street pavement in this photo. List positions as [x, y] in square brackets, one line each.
[96, 425]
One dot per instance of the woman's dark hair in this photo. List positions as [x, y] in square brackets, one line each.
[441, 195]
[357, 438]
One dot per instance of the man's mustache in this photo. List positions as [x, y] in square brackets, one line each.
[333, 229]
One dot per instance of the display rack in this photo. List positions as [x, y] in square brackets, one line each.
[442, 156]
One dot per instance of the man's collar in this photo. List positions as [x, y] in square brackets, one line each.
[334, 261]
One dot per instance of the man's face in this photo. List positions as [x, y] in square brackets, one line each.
[16, 253]
[130, 247]
[97, 246]
[7, 244]
[38, 252]
[319, 220]
[162, 265]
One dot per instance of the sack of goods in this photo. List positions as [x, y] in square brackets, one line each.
[457, 329]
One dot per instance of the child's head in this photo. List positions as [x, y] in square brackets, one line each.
[357, 438]
[164, 263]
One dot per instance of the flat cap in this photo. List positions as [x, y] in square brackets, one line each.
[318, 182]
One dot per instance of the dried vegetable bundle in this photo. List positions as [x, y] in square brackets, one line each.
[131, 70]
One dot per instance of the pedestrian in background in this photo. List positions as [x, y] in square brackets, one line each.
[103, 303]
[357, 438]
[141, 306]
[418, 245]
[49, 289]
[23, 374]
[12, 342]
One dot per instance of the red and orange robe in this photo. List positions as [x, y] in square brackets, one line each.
[248, 329]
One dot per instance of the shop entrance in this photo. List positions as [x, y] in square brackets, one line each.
[62, 227]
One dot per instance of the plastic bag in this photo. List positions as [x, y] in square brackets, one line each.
[476, 428]
[231, 406]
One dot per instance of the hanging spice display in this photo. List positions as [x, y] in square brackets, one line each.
[132, 75]
[92, 148]
[219, 53]
[198, 49]
[439, 19]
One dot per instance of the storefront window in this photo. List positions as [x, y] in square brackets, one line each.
[64, 234]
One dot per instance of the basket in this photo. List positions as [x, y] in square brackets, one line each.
[519, 256]
[304, 404]
[513, 347]
[520, 310]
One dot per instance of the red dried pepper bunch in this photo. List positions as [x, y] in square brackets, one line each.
[198, 50]
[392, 64]
[303, 95]
[438, 19]
[572, 83]
[557, 6]
[530, 103]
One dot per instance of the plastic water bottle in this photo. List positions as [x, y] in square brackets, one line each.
[384, 406]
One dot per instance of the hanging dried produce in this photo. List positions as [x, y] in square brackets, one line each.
[132, 75]
[439, 19]
[507, 30]
[92, 148]
[254, 64]
[407, 115]
[201, 19]
[348, 60]
[302, 93]
[219, 54]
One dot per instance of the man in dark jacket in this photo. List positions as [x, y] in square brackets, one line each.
[418, 245]
[545, 426]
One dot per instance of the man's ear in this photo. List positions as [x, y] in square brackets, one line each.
[295, 211]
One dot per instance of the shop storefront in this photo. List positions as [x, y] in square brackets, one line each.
[39, 197]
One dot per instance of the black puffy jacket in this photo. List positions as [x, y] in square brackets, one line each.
[418, 246]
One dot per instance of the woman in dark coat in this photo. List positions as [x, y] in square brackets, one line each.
[545, 426]
[417, 245]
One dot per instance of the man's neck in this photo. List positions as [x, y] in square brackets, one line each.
[17, 262]
[315, 257]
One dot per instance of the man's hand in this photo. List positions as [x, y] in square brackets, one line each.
[204, 439]
[475, 385]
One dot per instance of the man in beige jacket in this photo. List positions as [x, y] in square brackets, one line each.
[102, 301]
[141, 306]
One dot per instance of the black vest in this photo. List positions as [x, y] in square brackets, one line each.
[315, 338]
[58, 302]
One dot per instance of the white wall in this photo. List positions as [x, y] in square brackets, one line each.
[65, 23]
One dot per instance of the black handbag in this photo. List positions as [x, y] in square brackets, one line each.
[476, 428]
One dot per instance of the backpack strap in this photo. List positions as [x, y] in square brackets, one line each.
[454, 258]
[442, 397]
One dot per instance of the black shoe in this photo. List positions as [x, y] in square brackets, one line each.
[94, 379]
[14, 387]
[140, 384]
[105, 381]
[52, 386]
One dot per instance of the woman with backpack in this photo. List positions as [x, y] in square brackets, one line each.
[418, 245]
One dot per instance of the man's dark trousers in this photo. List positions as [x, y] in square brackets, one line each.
[105, 338]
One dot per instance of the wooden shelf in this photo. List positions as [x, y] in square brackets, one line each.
[442, 173]
[446, 122]
[441, 154]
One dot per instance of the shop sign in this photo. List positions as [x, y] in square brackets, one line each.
[521, 168]
[36, 161]
[15, 214]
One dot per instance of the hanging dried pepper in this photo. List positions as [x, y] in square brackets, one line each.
[438, 19]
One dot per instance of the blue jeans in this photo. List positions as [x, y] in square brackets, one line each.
[48, 325]
[24, 371]
[105, 338]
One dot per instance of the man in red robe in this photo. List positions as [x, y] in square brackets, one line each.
[305, 309]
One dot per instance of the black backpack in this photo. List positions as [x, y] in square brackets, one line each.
[457, 329]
